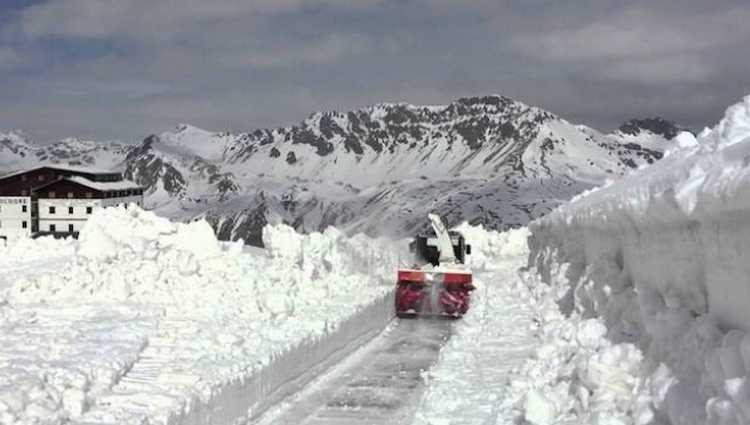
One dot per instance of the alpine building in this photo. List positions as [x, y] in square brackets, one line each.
[57, 200]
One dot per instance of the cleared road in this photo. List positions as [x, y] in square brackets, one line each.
[379, 384]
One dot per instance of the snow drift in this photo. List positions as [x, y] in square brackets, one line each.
[151, 320]
[515, 358]
[662, 257]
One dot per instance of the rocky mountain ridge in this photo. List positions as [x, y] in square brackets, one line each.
[489, 160]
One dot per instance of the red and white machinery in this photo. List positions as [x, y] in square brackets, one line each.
[439, 283]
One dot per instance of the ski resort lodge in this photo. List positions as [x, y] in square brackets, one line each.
[57, 200]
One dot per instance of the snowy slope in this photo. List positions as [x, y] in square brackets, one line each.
[17, 152]
[661, 258]
[14, 149]
[487, 160]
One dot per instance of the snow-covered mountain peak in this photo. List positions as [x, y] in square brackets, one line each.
[657, 125]
[16, 138]
[185, 127]
[186, 131]
[189, 140]
[18, 151]
[15, 146]
[382, 168]
[402, 113]
[467, 106]
[14, 134]
[73, 144]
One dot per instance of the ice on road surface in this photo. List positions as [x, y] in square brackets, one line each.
[380, 384]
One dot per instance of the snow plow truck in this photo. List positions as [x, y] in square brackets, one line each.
[439, 283]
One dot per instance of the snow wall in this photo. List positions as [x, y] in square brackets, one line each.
[147, 321]
[248, 397]
[663, 257]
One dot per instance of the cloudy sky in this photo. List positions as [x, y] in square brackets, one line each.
[121, 69]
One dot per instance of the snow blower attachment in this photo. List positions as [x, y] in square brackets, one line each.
[439, 283]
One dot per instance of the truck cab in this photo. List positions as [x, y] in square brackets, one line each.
[425, 248]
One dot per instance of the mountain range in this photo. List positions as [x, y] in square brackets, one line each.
[487, 160]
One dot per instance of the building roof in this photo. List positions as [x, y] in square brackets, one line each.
[104, 186]
[98, 186]
[71, 168]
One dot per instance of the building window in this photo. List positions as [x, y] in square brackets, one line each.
[52, 195]
[24, 208]
[51, 210]
[88, 195]
[41, 178]
[70, 195]
[52, 228]
[71, 228]
[23, 192]
[70, 210]
[88, 210]
[23, 177]
[24, 224]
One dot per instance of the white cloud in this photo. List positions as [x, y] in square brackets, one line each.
[637, 33]
[123, 88]
[666, 70]
[245, 63]
[325, 50]
[639, 45]
[154, 19]
[10, 59]
[198, 33]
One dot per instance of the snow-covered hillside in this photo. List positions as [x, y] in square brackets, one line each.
[661, 258]
[487, 160]
[18, 151]
[15, 149]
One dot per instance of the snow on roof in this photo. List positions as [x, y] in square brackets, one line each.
[71, 168]
[77, 169]
[8, 173]
[104, 186]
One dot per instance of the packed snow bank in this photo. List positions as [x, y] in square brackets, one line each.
[515, 358]
[22, 256]
[576, 375]
[662, 257]
[26, 250]
[158, 322]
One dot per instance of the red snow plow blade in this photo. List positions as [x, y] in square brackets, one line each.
[433, 293]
